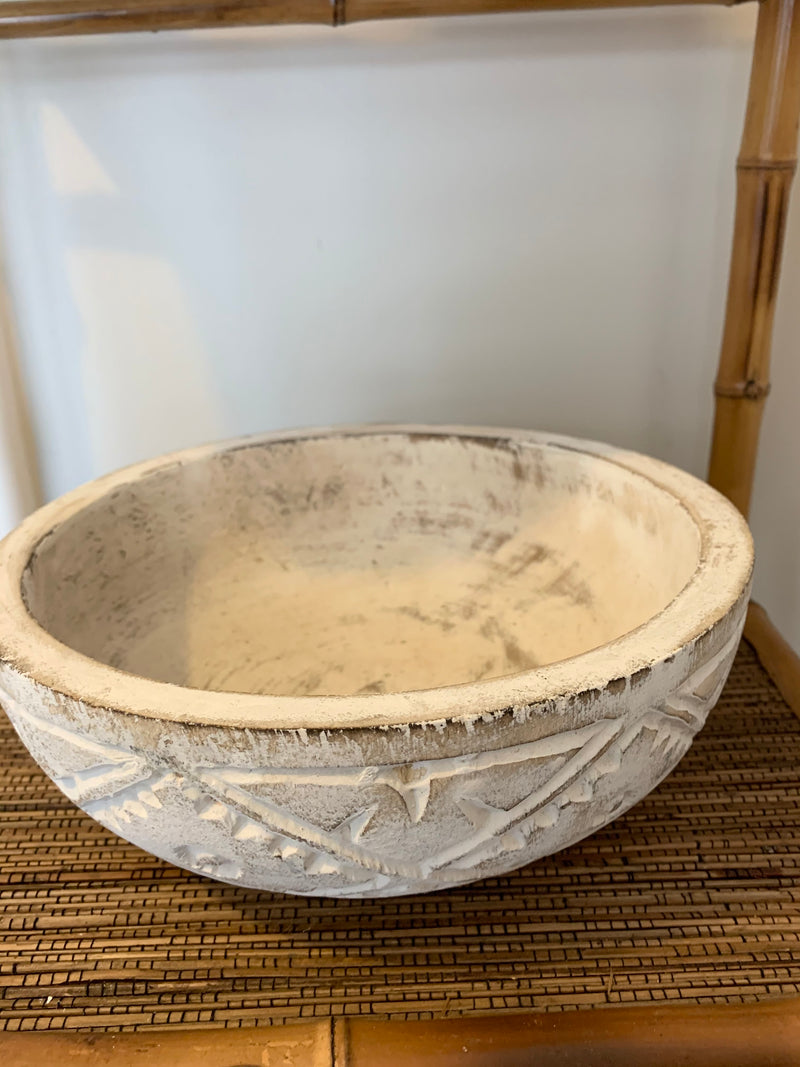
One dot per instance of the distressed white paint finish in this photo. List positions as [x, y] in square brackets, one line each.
[557, 619]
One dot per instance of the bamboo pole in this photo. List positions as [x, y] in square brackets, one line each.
[746, 1035]
[50, 18]
[17, 440]
[359, 10]
[765, 169]
[751, 1035]
[775, 654]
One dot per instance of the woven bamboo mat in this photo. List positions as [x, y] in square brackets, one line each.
[691, 896]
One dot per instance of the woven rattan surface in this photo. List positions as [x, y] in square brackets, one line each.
[692, 896]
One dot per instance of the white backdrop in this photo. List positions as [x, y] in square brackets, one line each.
[515, 220]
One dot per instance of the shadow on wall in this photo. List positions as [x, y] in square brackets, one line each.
[511, 219]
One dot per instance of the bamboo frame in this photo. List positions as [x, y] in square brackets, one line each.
[48, 18]
[751, 1035]
[733, 1036]
[765, 170]
[776, 655]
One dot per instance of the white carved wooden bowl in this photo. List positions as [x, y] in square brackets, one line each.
[370, 661]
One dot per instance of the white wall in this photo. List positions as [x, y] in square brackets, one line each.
[775, 517]
[521, 220]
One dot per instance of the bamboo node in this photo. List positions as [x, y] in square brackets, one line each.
[754, 163]
[749, 390]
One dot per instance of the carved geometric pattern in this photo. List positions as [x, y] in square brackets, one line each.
[122, 789]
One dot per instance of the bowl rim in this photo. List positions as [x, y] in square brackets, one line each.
[722, 576]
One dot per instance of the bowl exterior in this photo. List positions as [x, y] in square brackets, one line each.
[373, 812]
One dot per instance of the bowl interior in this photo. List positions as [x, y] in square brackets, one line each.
[354, 564]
